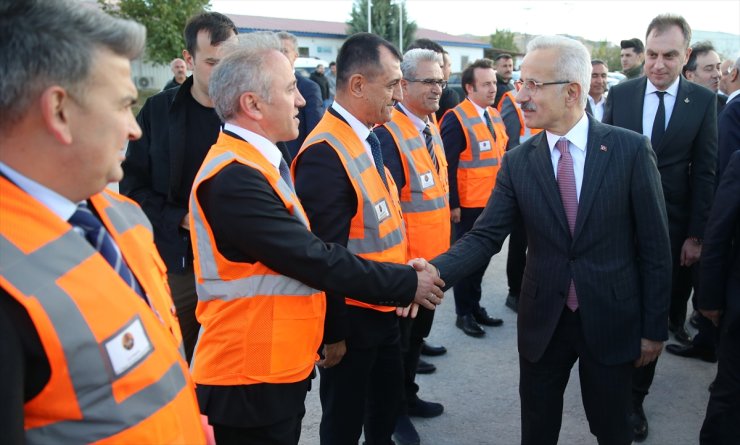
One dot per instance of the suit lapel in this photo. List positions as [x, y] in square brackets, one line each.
[681, 111]
[598, 154]
[638, 102]
[542, 164]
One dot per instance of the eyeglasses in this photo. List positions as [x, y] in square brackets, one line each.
[533, 85]
[429, 82]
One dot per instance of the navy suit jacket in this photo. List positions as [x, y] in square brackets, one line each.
[621, 217]
[687, 153]
[309, 115]
[729, 134]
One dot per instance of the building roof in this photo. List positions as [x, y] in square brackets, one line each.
[318, 28]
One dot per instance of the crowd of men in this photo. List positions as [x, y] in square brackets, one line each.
[252, 246]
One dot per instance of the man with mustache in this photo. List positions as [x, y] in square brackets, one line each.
[475, 139]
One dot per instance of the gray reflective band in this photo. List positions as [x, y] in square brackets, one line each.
[255, 285]
[213, 286]
[125, 215]
[467, 124]
[417, 203]
[372, 242]
[36, 275]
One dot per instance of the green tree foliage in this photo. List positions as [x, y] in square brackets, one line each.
[504, 39]
[608, 53]
[164, 21]
[384, 16]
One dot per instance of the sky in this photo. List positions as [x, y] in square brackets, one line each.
[591, 19]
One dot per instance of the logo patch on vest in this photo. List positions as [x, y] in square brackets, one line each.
[427, 180]
[381, 210]
[484, 146]
[128, 347]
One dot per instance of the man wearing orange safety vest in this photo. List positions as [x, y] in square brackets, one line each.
[518, 132]
[259, 269]
[412, 151]
[351, 199]
[90, 348]
[474, 138]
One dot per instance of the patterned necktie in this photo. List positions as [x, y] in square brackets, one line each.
[374, 142]
[569, 196]
[285, 173]
[430, 146]
[89, 226]
[659, 121]
[489, 124]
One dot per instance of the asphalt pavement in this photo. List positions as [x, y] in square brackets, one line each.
[477, 381]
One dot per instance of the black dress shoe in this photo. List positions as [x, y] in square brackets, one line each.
[482, 317]
[692, 351]
[432, 350]
[680, 333]
[512, 302]
[425, 367]
[405, 433]
[469, 326]
[639, 424]
[422, 408]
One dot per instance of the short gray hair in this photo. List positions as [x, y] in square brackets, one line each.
[411, 60]
[241, 70]
[284, 35]
[574, 61]
[54, 42]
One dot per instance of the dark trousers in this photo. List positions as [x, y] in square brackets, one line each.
[604, 389]
[516, 260]
[364, 389]
[185, 298]
[467, 291]
[722, 421]
[413, 332]
[285, 432]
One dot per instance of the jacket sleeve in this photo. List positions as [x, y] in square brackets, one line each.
[453, 139]
[391, 156]
[703, 169]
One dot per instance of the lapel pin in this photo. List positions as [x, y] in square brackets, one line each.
[687, 100]
[603, 148]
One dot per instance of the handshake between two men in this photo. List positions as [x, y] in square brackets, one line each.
[429, 291]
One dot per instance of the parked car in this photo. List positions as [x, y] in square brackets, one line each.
[307, 65]
[613, 78]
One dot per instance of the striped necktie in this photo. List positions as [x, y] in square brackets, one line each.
[489, 124]
[374, 142]
[430, 146]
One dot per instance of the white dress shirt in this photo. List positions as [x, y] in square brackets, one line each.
[650, 105]
[358, 127]
[597, 107]
[577, 143]
[418, 123]
[267, 148]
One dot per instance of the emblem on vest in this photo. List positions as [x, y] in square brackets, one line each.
[128, 347]
[484, 146]
[381, 210]
[427, 180]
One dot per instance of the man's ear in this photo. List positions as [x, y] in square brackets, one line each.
[251, 105]
[357, 85]
[188, 60]
[573, 91]
[55, 104]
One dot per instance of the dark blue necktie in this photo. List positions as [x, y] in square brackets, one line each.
[430, 146]
[489, 124]
[659, 121]
[285, 173]
[374, 142]
[95, 233]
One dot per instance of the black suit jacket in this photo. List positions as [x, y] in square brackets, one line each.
[621, 218]
[687, 154]
[309, 115]
[720, 256]
[728, 134]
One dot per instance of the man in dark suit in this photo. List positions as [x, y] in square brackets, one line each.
[681, 120]
[589, 195]
[259, 295]
[719, 301]
[703, 68]
[178, 126]
[729, 121]
[310, 114]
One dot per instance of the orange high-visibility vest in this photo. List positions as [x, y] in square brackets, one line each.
[376, 231]
[425, 196]
[524, 131]
[117, 370]
[257, 326]
[481, 158]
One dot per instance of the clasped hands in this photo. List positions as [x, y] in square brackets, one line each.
[428, 289]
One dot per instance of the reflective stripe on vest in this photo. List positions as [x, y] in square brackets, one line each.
[524, 131]
[372, 242]
[213, 286]
[468, 123]
[408, 145]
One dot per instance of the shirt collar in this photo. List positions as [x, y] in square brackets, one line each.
[58, 204]
[478, 108]
[418, 123]
[577, 136]
[267, 148]
[733, 95]
[358, 127]
[594, 103]
[672, 90]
